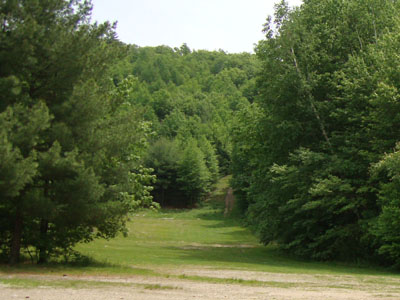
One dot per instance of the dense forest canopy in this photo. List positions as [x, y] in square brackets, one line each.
[320, 174]
[190, 98]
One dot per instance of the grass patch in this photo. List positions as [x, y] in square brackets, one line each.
[94, 269]
[66, 283]
[158, 287]
[203, 237]
[258, 283]
[239, 281]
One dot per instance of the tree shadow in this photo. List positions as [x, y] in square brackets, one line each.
[83, 264]
[267, 259]
[216, 214]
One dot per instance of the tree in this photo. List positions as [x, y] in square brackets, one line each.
[210, 159]
[187, 95]
[20, 134]
[73, 143]
[309, 187]
[193, 174]
[163, 157]
[386, 226]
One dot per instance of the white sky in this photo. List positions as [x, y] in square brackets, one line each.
[232, 25]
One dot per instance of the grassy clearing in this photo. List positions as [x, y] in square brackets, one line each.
[202, 237]
[197, 238]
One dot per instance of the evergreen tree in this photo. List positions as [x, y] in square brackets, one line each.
[74, 141]
[193, 173]
[163, 157]
[210, 159]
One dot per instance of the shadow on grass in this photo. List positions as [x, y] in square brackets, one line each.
[269, 259]
[217, 215]
[83, 265]
[261, 257]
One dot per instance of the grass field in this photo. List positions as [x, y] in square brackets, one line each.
[201, 237]
[170, 243]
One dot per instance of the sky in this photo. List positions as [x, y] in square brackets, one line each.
[231, 25]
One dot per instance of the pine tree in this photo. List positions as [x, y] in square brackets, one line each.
[193, 173]
[74, 140]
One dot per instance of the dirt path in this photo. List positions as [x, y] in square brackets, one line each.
[229, 201]
[266, 286]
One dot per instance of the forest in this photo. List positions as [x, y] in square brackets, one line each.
[92, 129]
[317, 168]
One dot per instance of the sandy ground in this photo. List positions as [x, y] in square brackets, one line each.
[275, 286]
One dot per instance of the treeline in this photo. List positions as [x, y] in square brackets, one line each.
[315, 157]
[190, 98]
[92, 129]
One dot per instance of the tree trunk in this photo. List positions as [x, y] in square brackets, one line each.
[44, 226]
[16, 237]
[315, 111]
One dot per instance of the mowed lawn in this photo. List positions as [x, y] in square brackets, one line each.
[202, 237]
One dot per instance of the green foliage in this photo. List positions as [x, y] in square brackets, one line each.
[71, 143]
[193, 173]
[325, 113]
[20, 129]
[246, 151]
[187, 95]
[387, 225]
[210, 159]
[163, 157]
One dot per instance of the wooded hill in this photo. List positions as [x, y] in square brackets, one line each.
[190, 98]
[90, 127]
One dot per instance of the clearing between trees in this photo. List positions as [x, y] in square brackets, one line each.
[192, 254]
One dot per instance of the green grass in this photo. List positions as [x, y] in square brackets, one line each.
[92, 268]
[239, 281]
[246, 282]
[24, 283]
[202, 237]
[35, 282]
[158, 287]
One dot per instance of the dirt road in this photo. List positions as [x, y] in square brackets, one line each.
[248, 285]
